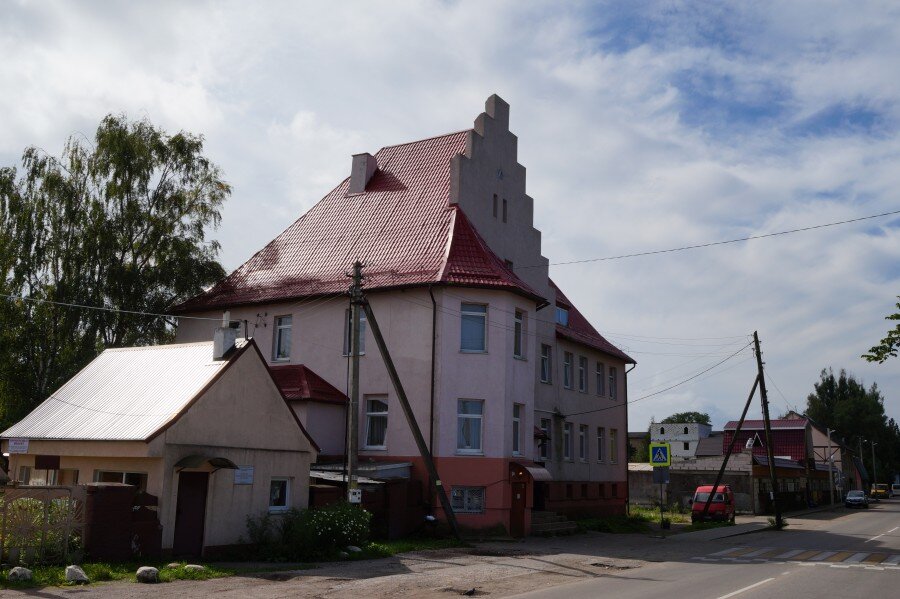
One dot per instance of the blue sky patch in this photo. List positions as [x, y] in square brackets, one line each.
[842, 119]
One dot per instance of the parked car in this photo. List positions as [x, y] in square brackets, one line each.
[879, 491]
[721, 507]
[895, 490]
[856, 499]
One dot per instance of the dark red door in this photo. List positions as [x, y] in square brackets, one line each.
[190, 513]
[517, 511]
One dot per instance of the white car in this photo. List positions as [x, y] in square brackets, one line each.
[895, 490]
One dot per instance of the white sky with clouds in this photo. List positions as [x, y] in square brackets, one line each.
[642, 128]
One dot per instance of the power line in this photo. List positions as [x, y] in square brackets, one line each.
[714, 243]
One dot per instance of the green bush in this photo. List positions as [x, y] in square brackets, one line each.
[309, 534]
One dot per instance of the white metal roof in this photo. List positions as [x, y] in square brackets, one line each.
[124, 394]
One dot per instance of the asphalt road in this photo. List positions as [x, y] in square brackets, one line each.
[831, 554]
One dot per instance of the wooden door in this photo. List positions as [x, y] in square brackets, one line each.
[190, 513]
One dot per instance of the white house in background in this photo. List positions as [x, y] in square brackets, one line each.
[682, 437]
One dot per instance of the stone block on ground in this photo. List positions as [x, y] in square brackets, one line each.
[19, 573]
[76, 574]
[147, 574]
[194, 567]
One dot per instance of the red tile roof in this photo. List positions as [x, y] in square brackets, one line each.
[779, 423]
[581, 331]
[297, 382]
[402, 228]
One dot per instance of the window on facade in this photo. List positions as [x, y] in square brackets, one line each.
[582, 442]
[473, 328]
[600, 443]
[687, 446]
[562, 316]
[279, 491]
[468, 425]
[504, 209]
[545, 443]
[348, 329]
[138, 479]
[467, 500]
[495, 205]
[282, 350]
[546, 363]
[567, 441]
[685, 430]
[613, 446]
[662, 430]
[601, 379]
[582, 374]
[519, 335]
[567, 370]
[376, 422]
[517, 428]
[25, 475]
[613, 383]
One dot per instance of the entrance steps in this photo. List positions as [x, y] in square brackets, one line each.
[549, 524]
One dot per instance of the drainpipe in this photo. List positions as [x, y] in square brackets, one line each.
[627, 478]
[431, 409]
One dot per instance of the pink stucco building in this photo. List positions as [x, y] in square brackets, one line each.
[521, 400]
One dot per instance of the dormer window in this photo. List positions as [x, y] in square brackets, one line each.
[562, 316]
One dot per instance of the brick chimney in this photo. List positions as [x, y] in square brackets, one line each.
[362, 169]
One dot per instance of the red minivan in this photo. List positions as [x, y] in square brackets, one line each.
[721, 507]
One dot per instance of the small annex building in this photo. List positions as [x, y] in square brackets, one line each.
[201, 427]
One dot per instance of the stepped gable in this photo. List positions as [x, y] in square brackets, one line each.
[402, 227]
[581, 331]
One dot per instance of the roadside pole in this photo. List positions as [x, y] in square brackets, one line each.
[356, 298]
[661, 459]
[770, 451]
[830, 467]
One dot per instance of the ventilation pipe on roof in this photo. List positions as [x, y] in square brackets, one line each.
[364, 166]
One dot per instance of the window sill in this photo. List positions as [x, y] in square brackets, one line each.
[472, 452]
[278, 511]
[288, 359]
[361, 354]
[547, 382]
[520, 358]
[374, 448]
[473, 351]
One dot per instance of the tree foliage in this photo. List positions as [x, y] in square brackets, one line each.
[687, 418]
[118, 223]
[888, 346]
[844, 404]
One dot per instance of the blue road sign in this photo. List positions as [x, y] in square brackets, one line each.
[660, 455]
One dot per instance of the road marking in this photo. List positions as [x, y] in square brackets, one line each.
[743, 552]
[856, 558]
[759, 552]
[752, 586]
[789, 554]
[875, 558]
[884, 533]
[772, 553]
[839, 556]
[726, 552]
[806, 555]
[892, 561]
[822, 556]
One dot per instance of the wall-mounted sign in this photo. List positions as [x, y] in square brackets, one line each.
[243, 475]
[354, 496]
[18, 446]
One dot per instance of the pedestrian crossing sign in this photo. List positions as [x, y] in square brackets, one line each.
[660, 455]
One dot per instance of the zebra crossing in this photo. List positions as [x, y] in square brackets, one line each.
[870, 560]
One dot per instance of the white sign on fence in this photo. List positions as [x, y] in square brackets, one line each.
[18, 446]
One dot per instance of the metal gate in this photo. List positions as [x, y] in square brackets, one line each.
[41, 525]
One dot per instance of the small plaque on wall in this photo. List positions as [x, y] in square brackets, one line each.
[243, 475]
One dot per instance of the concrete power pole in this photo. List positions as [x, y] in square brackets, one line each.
[830, 466]
[770, 450]
[356, 300]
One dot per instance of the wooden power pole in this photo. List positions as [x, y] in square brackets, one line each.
[770, 450]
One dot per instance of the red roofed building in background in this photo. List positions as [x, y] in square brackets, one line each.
[488, 348]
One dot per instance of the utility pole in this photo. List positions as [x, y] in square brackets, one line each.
[770, 450]
[874, 475]
[830, 465]
[356, 300]
[860, 440]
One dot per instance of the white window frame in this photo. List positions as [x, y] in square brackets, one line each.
[479, 450]
[582, 374]
[469, 313]
[613, 445]
[370, 415]
[546, 425]
[562, 316]
[546, 363]
[567, 369]
[601, 379]
[348, 326]
[517, 429]
[582, 442]
[613, 382]
[277, 509]
[465, 500]
[279, 332]
[567, 441]
[600, 440]
[519, 335]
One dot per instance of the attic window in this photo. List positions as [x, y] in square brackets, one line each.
[562, 316]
